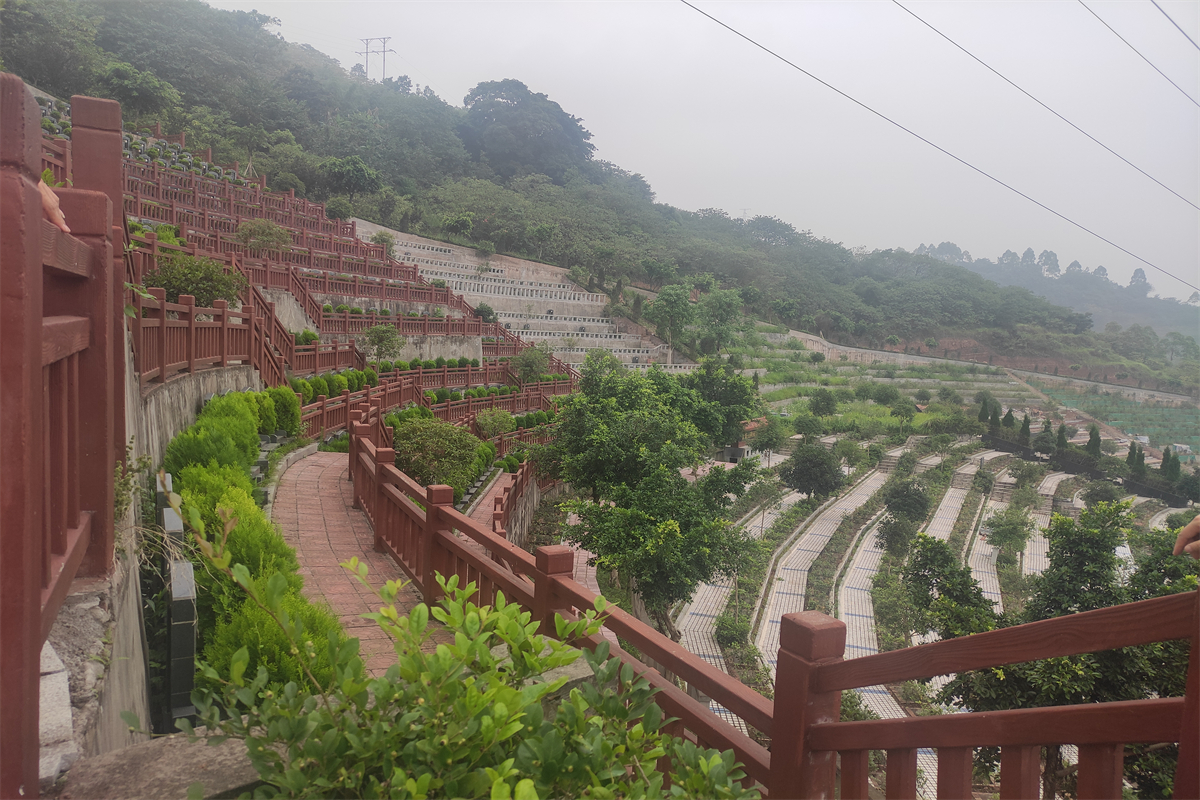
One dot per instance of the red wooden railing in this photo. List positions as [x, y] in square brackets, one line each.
[62, 397]
[174, 338]
[149, 186]
[419, 528]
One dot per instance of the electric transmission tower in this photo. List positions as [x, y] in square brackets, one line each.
[367, 52]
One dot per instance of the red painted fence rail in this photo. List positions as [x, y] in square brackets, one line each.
[62, 396]
[422, 532]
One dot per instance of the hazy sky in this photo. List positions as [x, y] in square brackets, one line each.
[712, 121]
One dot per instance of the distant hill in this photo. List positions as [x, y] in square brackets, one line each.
[511, 171]
[1086, 291]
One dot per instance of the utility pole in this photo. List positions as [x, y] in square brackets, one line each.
[384, 40]
[367, 52]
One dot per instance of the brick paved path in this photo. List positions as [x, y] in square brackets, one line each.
[313, 509]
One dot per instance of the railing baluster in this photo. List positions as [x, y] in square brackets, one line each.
[902, 774]
[956, 768]
[1020, 768]
[1101, 771]
[855, 769]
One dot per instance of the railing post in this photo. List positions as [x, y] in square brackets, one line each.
[190, 301]
[807, 640]
[384, 457]
[161, 296]
[223, 307]
[551, 561]
[324, 403]
[21, 436]
[437, 497]
[1187, 770]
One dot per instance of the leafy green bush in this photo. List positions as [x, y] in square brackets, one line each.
[370, 377]
[287, 409]
[428, 364]
[203, 484]
[235, 414]
[494, 422]
[431, 451]
[342, 308]
[263, 234]
[511, 463]
[388, 366]
[303, 388]
[327, 308]
[251, 627]
[306, 337]
[731, 631]
[197, 446]
[254, 542]
[442, 394]
[203, 278]
[466, 721]
[319, 387]
[268, 419]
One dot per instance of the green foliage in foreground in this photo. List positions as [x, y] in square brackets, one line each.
[469, 719]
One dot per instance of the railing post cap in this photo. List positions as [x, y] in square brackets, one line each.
[812, 635]
[439, 494]
[95, 112]
[555, 559]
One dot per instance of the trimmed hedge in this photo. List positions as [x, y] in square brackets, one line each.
[210, 464]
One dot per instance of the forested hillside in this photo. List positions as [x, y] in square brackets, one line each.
[1077, 287]
[511, 171]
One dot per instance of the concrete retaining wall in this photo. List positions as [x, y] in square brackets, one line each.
[289, 311]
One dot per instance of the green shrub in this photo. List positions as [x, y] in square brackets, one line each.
[370, 377]
[511, 464]
[250, 626]
[439, 362]
[287, 409]
[353, 381]
[732, 631]
[253, 541]
[306, 337]
[203, 278]
[442, 394]
[197, 446]
[598, 742]
[428, 364]
[474, 362]
[263, 234]
[236, 414]
[327, 308]
[388, 366]
[203, 484]
[319, 387]
[342, 308]
[455, 396]
[356, 310]
[268, 419]
[431, 451]
[340, 384]
[303, 388]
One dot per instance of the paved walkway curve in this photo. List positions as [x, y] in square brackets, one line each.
[313, 510]
[697, 622]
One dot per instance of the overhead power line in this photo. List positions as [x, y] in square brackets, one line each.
[1134, 49]
[1176, 24]
[1043, 105]
[939, 148]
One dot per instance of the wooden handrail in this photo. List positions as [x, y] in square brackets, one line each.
[1156, 620]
